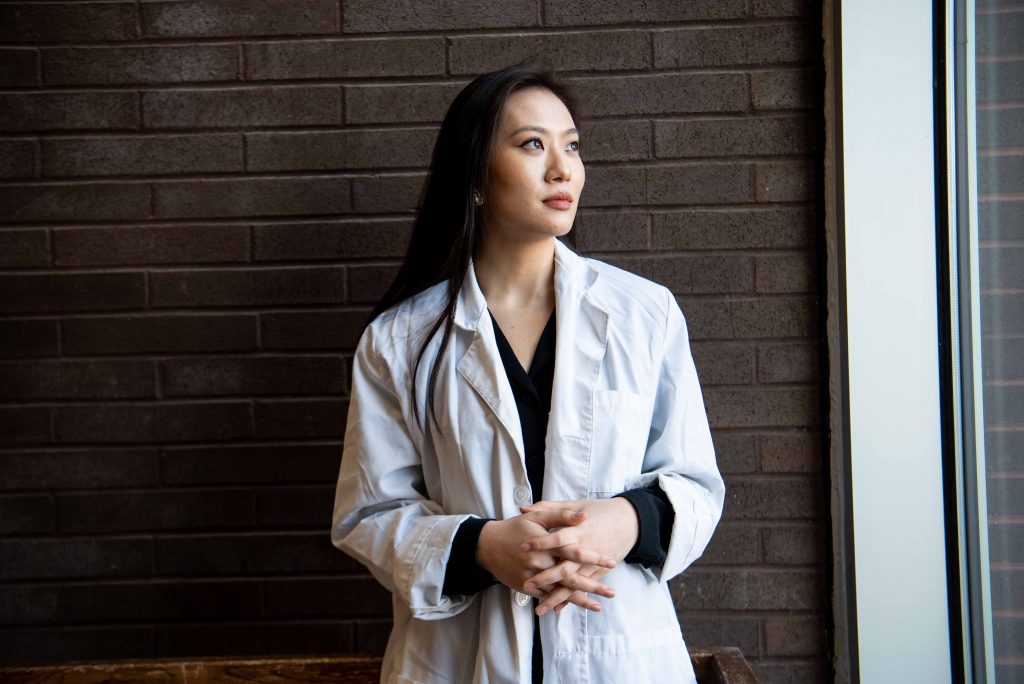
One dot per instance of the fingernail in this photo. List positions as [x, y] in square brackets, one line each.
[541, 610]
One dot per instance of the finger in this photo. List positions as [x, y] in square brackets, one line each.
[553, 575]
[559, 597]
[578, 598]
[552, 540]
[545, 505]
[556, 518]
[584, 555]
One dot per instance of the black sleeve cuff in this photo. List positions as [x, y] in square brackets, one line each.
[463, 575]
[655, 515]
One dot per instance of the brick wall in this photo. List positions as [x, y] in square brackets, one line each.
[200, 200]
[1000, 111]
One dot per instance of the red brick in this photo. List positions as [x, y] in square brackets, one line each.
[399, 103]
[1004, 541]
[190, 244]
[28, 338]
[253, 639]
[226, 18]
[700, 184]
[782, 8]
[786, 181]
[177, 600]
[735, 452]
[164, 422]
[65, 644]
[153, 64]
[749, 228]
[999, 80]
[662, 94]
[791, 452]
[615, 186]
[331, 240]
[749, 136]
[19, 67]
[583, 12]
[24, 249]
[293, 506]
[277, 464]
[363, 149]
[795, 545]
[242, 107]
[270, 286]
[71, 292]
[762, 407]
[35, 559]
[78, 202]
[704, 274]
[367, 284]
[764, 498]
[723, 364]
[356, 597]
[792, 671]
[780, 273]
[142, 155]
[77, 380]
[26, 514]
[159, 333]
[783, 90]
[347, 58]
[794, 636]
[278, 553]
[252, 197]
[611, 232]
[377, 16]
[754, 318]
[788, 363]
[312, 329]
[733, 45]
[68, 111]
[24, 425]
[387, 194]
[733, 545]
[615, 141]
[1002, 264]
[1001, 127]
[1002, 313]
[303, 418]
[271, 375]
[575, 51]
[710, 630]
[17, 157]
[112, 512]
[998, 33]
[23, 22]
[26, 604]
[753, 589]
[101, 468]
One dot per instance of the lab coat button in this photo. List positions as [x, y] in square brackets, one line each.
[522, 495]
[522, 599]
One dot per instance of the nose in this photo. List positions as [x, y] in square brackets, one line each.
[559, 167]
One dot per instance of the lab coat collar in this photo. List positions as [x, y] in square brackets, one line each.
[571, 273]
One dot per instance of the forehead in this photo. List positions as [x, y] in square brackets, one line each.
[535, 107]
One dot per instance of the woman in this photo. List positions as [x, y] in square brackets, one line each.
[524, 423]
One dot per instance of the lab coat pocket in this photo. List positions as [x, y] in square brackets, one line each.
[622, 422]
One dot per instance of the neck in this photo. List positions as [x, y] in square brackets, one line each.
[515, 274]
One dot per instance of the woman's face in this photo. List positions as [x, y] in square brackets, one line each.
[536, 174]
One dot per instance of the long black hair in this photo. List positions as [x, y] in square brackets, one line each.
[449, 224]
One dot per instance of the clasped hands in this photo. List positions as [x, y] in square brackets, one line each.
[558, 551]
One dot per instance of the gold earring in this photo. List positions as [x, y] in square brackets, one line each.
[478, 199]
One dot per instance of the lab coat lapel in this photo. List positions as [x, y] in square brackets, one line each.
[582, 337]
[481, 365]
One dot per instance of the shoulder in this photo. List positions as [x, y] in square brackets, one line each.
[623, 293]
[397, 333]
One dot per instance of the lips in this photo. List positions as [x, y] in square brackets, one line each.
[562, 201]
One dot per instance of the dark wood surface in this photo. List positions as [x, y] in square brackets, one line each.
[712, 666]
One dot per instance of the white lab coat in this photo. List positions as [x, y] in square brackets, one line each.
[626, 410]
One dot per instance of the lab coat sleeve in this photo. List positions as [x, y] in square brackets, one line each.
[680, 452]
[382, 516]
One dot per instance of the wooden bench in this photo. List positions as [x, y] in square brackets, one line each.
[712, 665]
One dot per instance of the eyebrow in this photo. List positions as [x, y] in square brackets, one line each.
[538, 129]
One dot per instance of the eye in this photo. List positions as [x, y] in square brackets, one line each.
[529, 144]
[574, 146]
